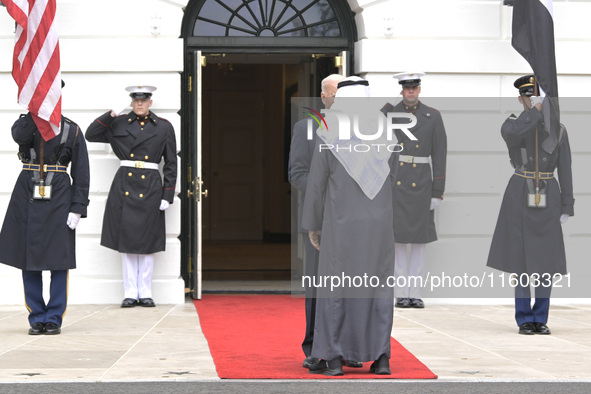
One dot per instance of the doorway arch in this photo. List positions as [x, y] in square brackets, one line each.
[256, 37]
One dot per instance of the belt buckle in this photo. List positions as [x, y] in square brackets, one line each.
[408, 159]
[139, 164]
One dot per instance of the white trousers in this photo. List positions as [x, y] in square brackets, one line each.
[137, 275]
[408, 273]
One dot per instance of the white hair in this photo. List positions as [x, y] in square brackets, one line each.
[331, 78]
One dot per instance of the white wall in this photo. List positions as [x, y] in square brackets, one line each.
[105, 46]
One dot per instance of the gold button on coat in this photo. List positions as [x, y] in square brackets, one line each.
[146, 157]
[401, 164]
[414, 184]
[414, 165]
[131, 155]
[130, 174]
[141, 195]
[143, 177]
[127, 193]
[398, 183]
[417, 146]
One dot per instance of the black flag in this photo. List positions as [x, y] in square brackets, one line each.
[533, 38]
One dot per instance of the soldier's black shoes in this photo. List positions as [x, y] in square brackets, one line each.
[541, 329]
[148, 302]
[128, 303]
[527, 328]
[37, 329]
[416, 303]
[52, 329]
[310, 361]
[402, 302]
[351, 364]
[329, 368]
[381, 366]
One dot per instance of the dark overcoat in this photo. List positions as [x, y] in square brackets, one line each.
[34, 235]
[417, 183]
[529, 240]
[133, 222]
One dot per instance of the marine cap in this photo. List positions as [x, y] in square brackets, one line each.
[409, 78]
[140, 91]
[525, 85]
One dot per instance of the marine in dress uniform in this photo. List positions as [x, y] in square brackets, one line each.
[133, 223]
[353, 212]
[528, 237]
[46, 205]
[418, 189]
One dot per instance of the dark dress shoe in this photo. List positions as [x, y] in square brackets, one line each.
[416, 303]
[128, 303]
[52, 329]
[527, 328]
[541, 328]
[310, 361]
[37, 329]
[328, 368]
[403, 303]
[351, 363]
[148, 302]
[381, 366]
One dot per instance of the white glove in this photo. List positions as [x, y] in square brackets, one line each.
[536, 100]
[563, 218]
[73, 219]
[435, 203]
[164, 205]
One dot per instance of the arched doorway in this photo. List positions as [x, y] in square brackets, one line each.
[244, 59]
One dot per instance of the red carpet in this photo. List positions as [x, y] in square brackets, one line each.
[260, 336]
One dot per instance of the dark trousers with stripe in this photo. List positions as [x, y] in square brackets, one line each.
[55, 309]
[524, 312]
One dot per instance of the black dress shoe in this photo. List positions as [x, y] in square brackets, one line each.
[351, 363]
[37, 329]
[416, 303]
[52, 329]
[148, 302]
[527, 328]
[403, 303]
[128, 303]
[328, 368]
[310, 361]
[541, 328]
[381, 366]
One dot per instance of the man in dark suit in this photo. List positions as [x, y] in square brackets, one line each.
[300, 158]
[528, 240]
[44, 210]
[134, 215]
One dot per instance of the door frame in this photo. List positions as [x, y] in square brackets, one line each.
[191, 120]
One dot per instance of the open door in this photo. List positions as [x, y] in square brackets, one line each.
[195, 190]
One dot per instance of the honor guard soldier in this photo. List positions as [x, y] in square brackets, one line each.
[419, 187]
[46, 205]
[528, 240]
[133, 223]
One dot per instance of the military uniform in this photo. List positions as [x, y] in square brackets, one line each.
[133, 224]
[528, 240]
[35, 236]
[420, 179]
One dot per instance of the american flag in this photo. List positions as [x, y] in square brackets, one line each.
[36, 62]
